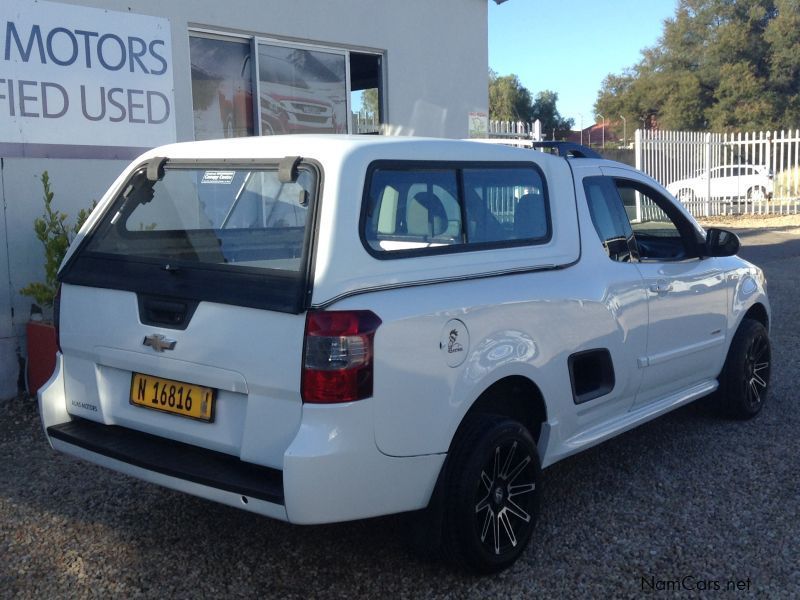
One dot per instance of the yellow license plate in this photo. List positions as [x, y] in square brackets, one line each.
[176, 397]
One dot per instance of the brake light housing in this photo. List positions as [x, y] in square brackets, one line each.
[338, 356]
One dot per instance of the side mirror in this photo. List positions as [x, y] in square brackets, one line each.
[721, 242]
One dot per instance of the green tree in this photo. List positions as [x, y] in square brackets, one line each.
[55, 234]
[370, 102]
[783, 37]
[740, 100]
[509, 100]
[544, 109]
[722, 64]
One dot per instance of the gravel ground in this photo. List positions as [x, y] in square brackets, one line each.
[687, 495]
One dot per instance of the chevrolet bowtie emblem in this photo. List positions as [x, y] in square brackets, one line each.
[158, 342]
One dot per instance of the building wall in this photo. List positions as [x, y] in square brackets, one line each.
[8, 338]
[435, 68]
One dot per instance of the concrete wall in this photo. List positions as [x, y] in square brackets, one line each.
[436, 63]
[8, 338]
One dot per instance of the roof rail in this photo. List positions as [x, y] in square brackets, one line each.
[566, 149]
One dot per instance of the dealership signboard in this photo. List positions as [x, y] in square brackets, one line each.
[79, 82]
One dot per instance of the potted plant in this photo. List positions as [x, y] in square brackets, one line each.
[55, 234]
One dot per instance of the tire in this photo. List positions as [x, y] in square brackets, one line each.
[744, 381]
[491, 494]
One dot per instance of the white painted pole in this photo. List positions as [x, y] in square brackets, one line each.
[708, 174]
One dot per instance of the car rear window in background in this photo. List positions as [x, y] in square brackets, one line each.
[219, 216]
[412, 210]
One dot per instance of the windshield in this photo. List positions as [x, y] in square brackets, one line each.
[222, 216]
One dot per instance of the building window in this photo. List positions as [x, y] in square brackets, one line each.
[222, 88]
[366, 96]
[299, 88]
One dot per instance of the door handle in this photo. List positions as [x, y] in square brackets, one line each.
[662, 287]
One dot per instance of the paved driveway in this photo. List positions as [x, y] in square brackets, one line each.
[763, 246]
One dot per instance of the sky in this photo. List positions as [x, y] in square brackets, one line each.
[570, 46]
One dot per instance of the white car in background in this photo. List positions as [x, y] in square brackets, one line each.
[731, 182]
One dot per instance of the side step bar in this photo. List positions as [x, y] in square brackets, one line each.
[175, 459]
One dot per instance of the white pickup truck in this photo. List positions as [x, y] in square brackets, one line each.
[326, 328]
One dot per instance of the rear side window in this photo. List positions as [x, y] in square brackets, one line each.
[411, 210]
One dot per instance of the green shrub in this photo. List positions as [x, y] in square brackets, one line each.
[787, 183]
[56, 235]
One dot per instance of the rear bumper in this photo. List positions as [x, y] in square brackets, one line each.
[333, 471]
[173, 459]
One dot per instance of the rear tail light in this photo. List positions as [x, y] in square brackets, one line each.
[337, 362]
[56, 315]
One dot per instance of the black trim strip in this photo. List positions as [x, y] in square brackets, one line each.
[454, 278]
[174, 459]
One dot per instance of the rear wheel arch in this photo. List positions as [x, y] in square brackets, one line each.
[757, 312]
[744, 380]
[515, 397]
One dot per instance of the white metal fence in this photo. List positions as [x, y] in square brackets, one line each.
[516, 129]
[732, 173]
[365, 122]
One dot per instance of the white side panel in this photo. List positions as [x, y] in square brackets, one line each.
[334, 472]
[518, 325]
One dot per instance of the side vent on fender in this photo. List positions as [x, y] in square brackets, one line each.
[591, 373]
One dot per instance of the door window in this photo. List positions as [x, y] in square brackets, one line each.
[635, 221]
[661, 232]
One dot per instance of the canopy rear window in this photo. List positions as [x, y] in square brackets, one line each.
[219, 223]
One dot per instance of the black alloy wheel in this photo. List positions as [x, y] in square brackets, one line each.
[744, 381]
[756, 372]
[504, 498]
[492, 494]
